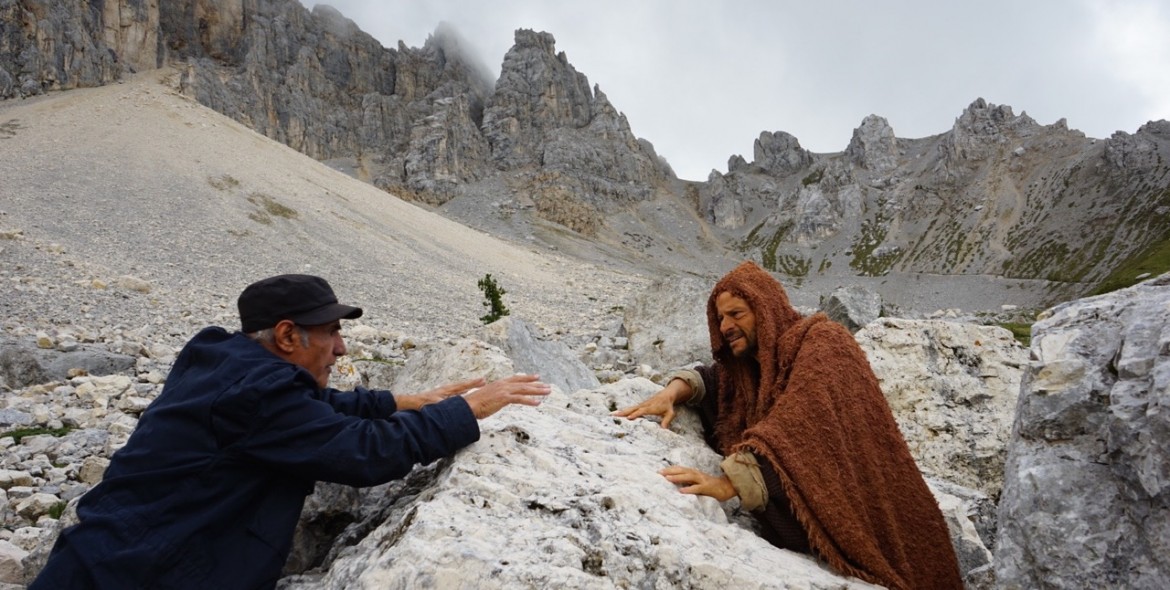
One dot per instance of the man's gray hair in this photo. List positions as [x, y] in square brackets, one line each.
[267, 336]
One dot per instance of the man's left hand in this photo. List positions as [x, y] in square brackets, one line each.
[699, 483]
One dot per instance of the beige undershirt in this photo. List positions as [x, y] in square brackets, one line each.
[741, 468]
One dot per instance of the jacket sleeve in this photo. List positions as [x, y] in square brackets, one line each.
[291, 431]
[361, 402]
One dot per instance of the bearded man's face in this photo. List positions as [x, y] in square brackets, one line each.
[737, 324]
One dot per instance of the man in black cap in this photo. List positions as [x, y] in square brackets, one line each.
[209, 487]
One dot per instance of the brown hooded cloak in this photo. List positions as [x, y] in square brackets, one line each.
[813, 410]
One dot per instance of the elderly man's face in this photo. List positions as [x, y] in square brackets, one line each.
[324, 345]
[737, 324]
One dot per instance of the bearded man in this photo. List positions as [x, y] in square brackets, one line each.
[811, 447]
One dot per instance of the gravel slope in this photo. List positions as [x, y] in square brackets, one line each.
[133, 180]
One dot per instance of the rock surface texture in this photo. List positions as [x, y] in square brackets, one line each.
[1087, 485]
[566, 496]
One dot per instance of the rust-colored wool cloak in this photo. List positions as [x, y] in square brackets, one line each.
[815, 412]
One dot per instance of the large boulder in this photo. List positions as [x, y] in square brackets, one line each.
[23, 363]
[1086, 498]
[552, 360]
[952, 388]
[565, 496]
[667, 323]
[853, 306]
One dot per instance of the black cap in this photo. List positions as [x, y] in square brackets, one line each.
[304, 299]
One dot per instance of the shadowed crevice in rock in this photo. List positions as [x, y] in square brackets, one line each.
[338, 517]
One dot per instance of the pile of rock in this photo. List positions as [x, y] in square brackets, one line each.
[577, 490]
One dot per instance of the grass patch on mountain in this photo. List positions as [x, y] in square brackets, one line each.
[1021, 331]
[868, 258]
[20, 433]
[267, 208]
[1153, 261]
[750, 241]
[792, 265]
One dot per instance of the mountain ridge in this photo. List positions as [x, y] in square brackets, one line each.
[1035, 214]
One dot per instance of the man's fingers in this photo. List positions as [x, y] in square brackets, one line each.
[532, 388]
[666, 419]
[521, 378]
[630, 412]
[519, 389]
[456, 388]
[676, 471]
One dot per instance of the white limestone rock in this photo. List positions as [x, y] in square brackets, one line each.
[1087, 482]
[552, 360]
[566, 496]
[667, 323]
[11, 563]
[36, 505]
[952, 388]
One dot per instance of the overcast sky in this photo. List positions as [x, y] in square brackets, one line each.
[702, 80]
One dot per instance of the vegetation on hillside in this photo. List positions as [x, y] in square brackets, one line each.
[1021, 331]
[789, 264]
[493, 299]
[1152, 260]
[20, 433]
[868, 258]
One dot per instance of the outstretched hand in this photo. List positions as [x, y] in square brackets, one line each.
[526, 390]
[699, 483]
[655, 405]
[438, 394]
[659, 404]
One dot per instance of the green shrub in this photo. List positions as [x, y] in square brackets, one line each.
[493, 299]
[1022, 331]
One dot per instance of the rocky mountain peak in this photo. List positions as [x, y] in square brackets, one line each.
[780, 153]
[874, 146]
[450, 44]
[1138, 152]
[983, 128]
[537, 91]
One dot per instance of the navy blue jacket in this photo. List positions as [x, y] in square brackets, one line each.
[208, 489]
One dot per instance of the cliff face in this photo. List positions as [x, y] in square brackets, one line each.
[48, 45]
[997, 195]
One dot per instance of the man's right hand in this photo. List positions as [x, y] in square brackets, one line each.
[520, 389]
[660, 404]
